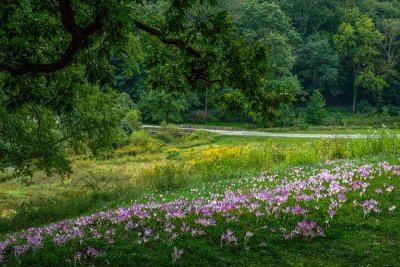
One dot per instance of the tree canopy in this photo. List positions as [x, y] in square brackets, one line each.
[70, 70]
[57, 64]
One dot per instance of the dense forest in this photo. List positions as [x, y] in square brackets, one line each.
[70, 71]
[349, 51]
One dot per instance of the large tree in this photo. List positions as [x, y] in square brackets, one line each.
[57, 68]
[358, 42]
[318, 65]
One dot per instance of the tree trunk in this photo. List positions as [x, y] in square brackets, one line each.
[355, 94]
[315, 78]
[355, 89]
[206, 102]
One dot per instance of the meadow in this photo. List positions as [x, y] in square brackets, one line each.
[204, 199]
[114, 148]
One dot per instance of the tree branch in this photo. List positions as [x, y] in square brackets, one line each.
[79, 40]
[167, 40]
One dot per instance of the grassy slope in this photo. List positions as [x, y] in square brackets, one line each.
[350, 241]
[94, 185]
[99, 185]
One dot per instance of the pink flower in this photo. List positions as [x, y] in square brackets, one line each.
[389, 188]
[78, 256]
[378, 191]
[147, 231]
[370, 205]
[229, 237]
[92, 252]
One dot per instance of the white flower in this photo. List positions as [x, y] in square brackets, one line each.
[392, 208]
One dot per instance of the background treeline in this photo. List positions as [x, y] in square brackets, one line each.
[71, 70]
[344, 53]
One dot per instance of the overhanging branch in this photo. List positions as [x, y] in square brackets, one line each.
[79, 40]
[167, 40]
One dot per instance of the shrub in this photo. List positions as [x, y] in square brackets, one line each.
[334, 148]
[335, 119]
[25, 180]
[364, 107]
[139, 138]
[173, 153]
[211, 118]
[201, 134]
[168, 132]
[315, 111]
[286, 115]
[393, 110]
[133, 119]
[165, 177]
[302, 125]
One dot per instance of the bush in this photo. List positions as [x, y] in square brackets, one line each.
[198, 117]
[173, 153]
[165, 178]
[201, 134]
[168, 132]
[315, 111]
[139, 138]
[25, 180]
[286, 115]
[211, 118]
[393, 110]
[133, 119]
[336, 119]
[302, 125]
[364, 107]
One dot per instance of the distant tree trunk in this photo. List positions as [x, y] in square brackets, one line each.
[206, 102]
[355, 90]
[355, 94]
[314, 77]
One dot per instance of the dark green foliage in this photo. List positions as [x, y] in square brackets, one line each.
[318, 64]
[61, 60]
[287, 115]
[68, 116]
[364, 107]
[160, 105]
[315, 111]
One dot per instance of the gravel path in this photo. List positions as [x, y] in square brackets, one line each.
[269, 134]
[289, 135]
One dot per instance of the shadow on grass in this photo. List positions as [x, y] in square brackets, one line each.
[67, 205]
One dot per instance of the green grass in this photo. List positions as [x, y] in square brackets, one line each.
[229, 124]
[350, 241]
[244, 140]
[100, 184]
[201, 161]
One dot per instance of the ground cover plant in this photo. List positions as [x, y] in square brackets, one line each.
[186, 162]
[252, 215]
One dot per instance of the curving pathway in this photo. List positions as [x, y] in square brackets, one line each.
[266, 134]
[288, 135]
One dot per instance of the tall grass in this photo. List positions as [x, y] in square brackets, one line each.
[108, 183]
[233, 162]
